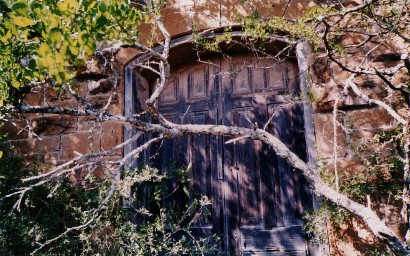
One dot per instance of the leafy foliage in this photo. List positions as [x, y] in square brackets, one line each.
[46, 41]
[316, 219]
[47, 212]
[41, 217]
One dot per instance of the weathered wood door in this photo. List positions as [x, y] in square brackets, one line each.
[257, 198]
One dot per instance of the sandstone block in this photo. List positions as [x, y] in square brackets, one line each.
[205, 14]
[30, 146]
[126, 54]
[116, 109]
[369, 121]
[350, 39]
[327, 93]
[79, 142]
[178, 21]
[346, 165]
[85, 125]
[112, 134]
[269, 8]
[324, 136]
[34, 97]
[54, 124]
[338, 74]
[321, 71]
[81, 88]
[100, 86]
[51, 158]
[55, 98]
[33, 160]
[64, 103]
[51, 94]
[100, 100]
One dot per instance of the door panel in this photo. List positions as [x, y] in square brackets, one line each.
[273, 241]
[194, 106]
[201, 173]
[282, 118]
[268, 215]
[257, 198]
[248, 181]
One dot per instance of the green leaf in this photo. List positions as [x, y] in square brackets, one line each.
[147, 18]
[15, 84]
[22, 21]
[102, 7]
[92, 4]
[20, 8]
[67, 5]
[6, 37]
[89, 49]
[60, 77]
[82, 38]
[32, 64]
[35, 5]
[55, 35]
[74, 50]
[60, 57]
[43, 50]
[102, 21]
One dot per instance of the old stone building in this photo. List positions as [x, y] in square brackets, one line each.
[258, 212]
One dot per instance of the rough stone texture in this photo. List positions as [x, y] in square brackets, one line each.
[124, 55]
[54, 124]
[61, 135]
[361, 126]
[362, 122]
[112, 135]
[232, 10]
[81, 142]
[14, 129]
[351, 239]
[51, 158]
[324, 136]
[180, 15]
[368, 122]
[34, 97]
[29, 146]
[321, 71]
[100, 86]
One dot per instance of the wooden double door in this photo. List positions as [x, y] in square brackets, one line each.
[257, 199]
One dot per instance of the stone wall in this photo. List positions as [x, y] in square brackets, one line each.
[359, 124]
[54, 139]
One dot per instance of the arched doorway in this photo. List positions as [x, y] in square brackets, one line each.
[257, 199]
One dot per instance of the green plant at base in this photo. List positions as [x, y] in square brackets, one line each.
[316, 220]
[46, 213]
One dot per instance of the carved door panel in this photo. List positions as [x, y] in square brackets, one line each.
[263, 194]
[189, 98]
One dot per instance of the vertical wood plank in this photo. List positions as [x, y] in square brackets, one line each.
[230, 185]
[128, 110]
[288, 206]
[247, 170]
